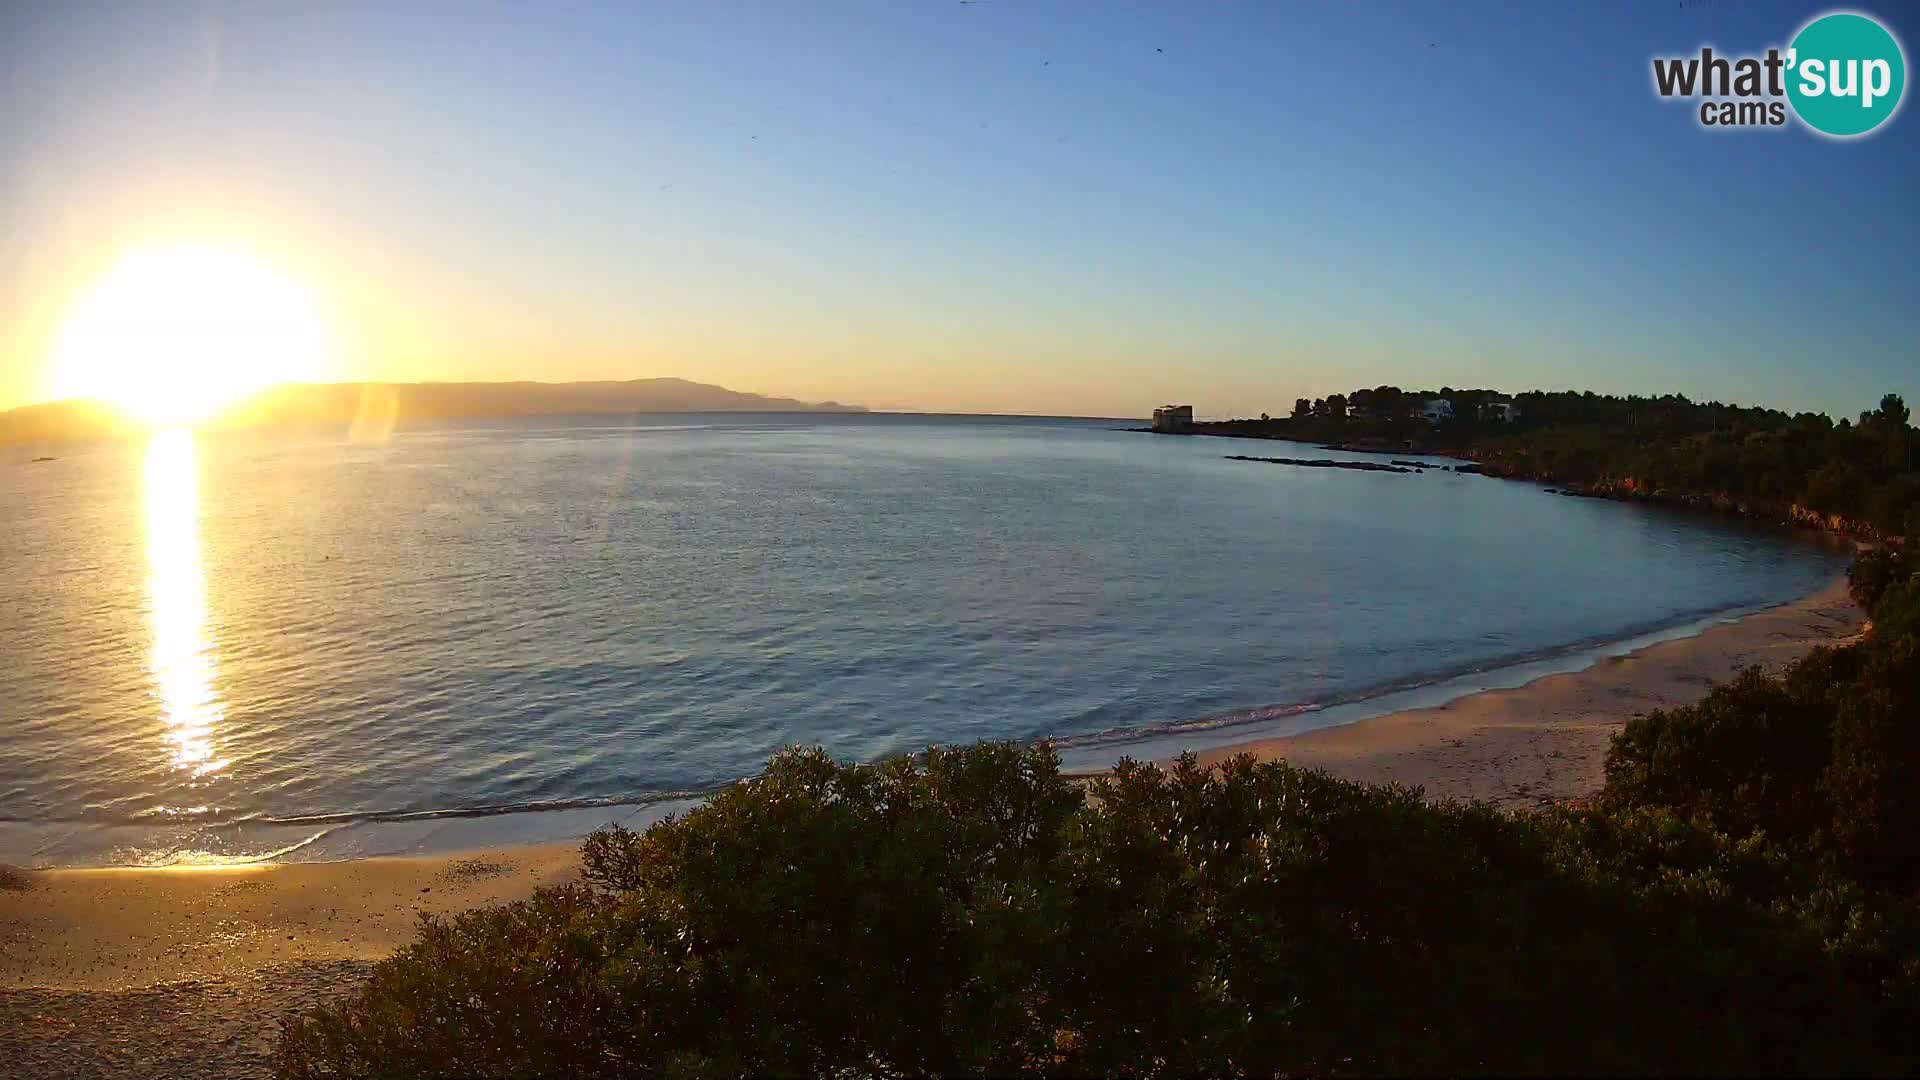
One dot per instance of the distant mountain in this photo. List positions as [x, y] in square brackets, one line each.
[61, 421]
[388, 404]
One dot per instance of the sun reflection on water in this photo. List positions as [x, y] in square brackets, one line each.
[183, 655]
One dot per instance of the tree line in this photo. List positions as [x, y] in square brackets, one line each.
[1856, 474]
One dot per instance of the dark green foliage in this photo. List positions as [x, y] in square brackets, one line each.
[517, 990]
[1874, 572]
[1896, 616]
[1873, 777]
[1749, 757]
[1824, 761]
[1740, 898]
[977, 913]
[819, 916]
[1762, 462]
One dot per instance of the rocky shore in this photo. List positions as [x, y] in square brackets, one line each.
[1324, 463]
[1625, 489]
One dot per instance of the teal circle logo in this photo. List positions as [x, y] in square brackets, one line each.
[1845, 74]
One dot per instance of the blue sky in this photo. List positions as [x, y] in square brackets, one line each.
[997, 206]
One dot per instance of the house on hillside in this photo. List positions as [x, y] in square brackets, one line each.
[1173, 418]
[1436, 410]
[1504, 411]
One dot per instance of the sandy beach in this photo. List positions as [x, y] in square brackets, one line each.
[186, 972]
[1546, 741]
[94, 963]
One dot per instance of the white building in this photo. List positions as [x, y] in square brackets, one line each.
[1435, 410]
[1503, 411]
[1173, 418]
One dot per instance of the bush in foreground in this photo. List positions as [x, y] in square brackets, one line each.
[975, 911]
[1824, 760]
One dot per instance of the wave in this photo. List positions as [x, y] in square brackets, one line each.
[209, 817]
[216, 816]
[1690, 621]
[189, 857]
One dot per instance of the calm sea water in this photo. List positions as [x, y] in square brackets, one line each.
[234, 645]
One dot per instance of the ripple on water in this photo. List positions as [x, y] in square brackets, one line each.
[219, 651]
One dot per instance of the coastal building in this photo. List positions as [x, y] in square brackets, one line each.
[1503, 411]
[1173, 418]
[1435, 410]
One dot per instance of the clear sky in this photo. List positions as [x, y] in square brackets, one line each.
[993, 206]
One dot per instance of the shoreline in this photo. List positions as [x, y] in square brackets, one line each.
[1089, 754]
[1543, 740]
[447, 834]
[94, 961]
[1773, 516]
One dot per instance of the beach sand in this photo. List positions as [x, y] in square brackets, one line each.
[184, 972]
[111, 929]
[1547, 741]
[187, 972]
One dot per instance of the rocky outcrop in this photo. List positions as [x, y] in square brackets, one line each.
[1840, 523]
[1323, 463]
[1629, 489]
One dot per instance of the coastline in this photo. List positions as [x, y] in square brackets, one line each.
[449, 834]
[1546, 741]
[1775, 515]
[1521, 745]
[93, 961]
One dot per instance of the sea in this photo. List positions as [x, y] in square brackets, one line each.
[221, 647]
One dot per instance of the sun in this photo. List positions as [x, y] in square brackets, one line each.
[172, 335]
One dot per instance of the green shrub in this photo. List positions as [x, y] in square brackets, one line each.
[515, 990]
[1874, 572]
[977, 912]
[1824, 761]
[1740, 898]
[1748, 757]
[1873, 778]
[1896, 617]
[1764, 461]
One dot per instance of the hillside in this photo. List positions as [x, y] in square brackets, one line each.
[401, 403]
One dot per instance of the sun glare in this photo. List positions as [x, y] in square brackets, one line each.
[183, 653]
[172, 335]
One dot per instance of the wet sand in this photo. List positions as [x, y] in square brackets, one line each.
[185, 972]
[1547, 741]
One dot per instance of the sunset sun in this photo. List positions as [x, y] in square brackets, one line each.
[172, 335]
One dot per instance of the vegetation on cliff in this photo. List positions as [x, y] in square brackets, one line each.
[1740, 898]
[1853, 475]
